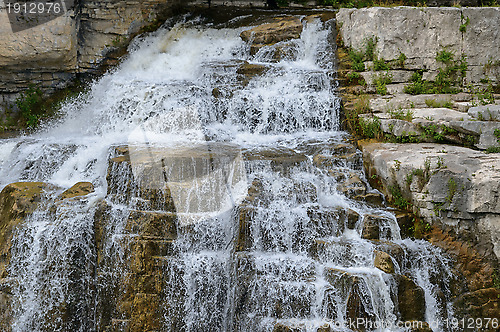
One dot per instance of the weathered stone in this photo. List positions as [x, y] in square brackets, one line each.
[374, 227]
[480, 303]
[79, 189]
[420, 33]
[282, 29]
[411, 299]
[383, 261]
[371, 198]
[461, 185]
[485, 113]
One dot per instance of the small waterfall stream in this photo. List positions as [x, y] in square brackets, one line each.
[269, 221]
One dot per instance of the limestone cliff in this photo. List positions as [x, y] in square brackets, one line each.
[50, 55]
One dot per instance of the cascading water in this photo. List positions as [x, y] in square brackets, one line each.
[250, 167]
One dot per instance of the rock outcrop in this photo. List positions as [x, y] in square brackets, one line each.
[456, 190]
[50, 55]
[421, 32]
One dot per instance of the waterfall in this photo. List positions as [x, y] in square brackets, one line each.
[224, 201]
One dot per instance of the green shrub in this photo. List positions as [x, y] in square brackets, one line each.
[380, 81]
[28, 104]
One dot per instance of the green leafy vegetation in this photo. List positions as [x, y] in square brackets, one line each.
[380, 81]
[400, 62]
[493, 149]
[436, 104]
[401, 114]
[482, 95]
[33, 106]
[358, 57]
[28, 104]
[449, 76]
[397, 198]
[452, 189]
[463, 26]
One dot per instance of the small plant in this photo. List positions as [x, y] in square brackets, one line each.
[496, 133]
[440, 163]
[398, 200]
[28, 104]
[433, 103]
[371, 128]
[400, 62]
[444, 56]
[452, 189]
[357, 60]
[380, 81]
[397, 165]
[401, 114]
[380, 64]
[463, 26]
[493, 149]
[370, 44]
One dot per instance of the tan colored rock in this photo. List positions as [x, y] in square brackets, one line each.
[411, 299]
[79, 189]
[282, 29]
[383, 261]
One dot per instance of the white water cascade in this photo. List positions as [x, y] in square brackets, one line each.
[254, 165]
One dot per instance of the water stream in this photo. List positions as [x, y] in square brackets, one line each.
[254, 167]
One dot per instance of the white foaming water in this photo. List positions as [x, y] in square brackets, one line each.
[179, 102]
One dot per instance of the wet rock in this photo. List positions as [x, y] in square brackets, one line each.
[375, 227]
[244, 240]
[79, 189]
[280, 327]
[17, 200]
[281, 29]
[354, 289]
[479, 303]
[153, 224]
[352, 218]
[334, 161]
[418, 326]
[371, 198]
[250, 70]
[383, 261]
[392, 249]
[411, 299]
[353, 186]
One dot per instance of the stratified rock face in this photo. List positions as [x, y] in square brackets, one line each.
[456, 189]
[283, 29]
[50, 54]
[420, 33]
[17, 200]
